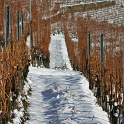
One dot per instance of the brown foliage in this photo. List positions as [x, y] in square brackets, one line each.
[111, 79]
[14, 59]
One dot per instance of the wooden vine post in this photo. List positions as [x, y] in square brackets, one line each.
[22, 21]
[30, 16]
[88, 49]
[18, 27]
[123, 81]
[101, 64]
[7, 23]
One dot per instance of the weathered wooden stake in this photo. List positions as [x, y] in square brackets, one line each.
[18, 27]
[88, 50]
[30, 16]
[7, 24]
[22, 21]
[101, 64]
[123, 81]
[4, 20]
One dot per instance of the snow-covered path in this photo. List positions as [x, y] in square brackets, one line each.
[58, 52]
[62, 96]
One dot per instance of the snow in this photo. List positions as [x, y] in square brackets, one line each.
[61, 96]
[28, 41]
[58, 50]
[20, 111]
[18, 115]
[80, 3]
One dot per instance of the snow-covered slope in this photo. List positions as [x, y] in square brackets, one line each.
[62, 96]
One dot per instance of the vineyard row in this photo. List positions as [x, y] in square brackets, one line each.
[98, 54]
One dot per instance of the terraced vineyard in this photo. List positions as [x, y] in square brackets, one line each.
[94, 35]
